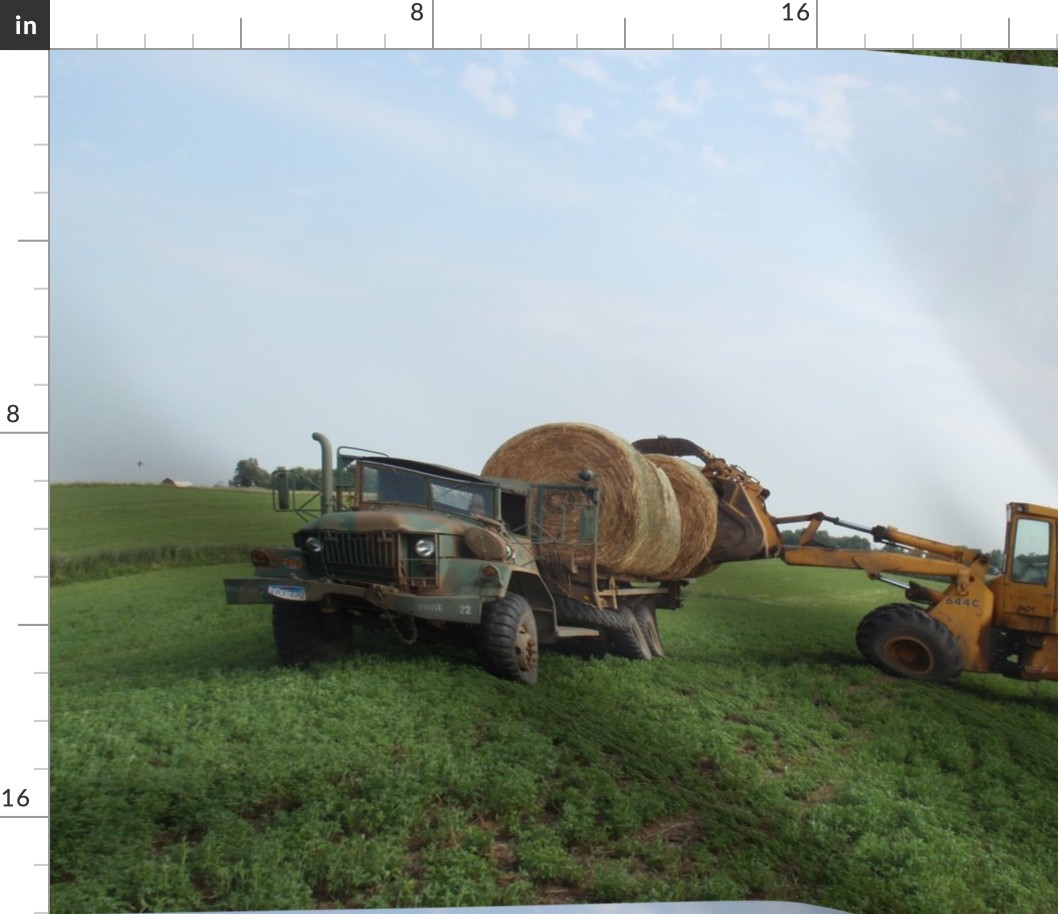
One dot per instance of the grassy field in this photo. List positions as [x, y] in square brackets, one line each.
[105, 530]
[760, 759]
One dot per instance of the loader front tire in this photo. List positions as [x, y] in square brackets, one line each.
[510, 648]
[304, 634]
[903, 640]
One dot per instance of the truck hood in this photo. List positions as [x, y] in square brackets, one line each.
[400, 521]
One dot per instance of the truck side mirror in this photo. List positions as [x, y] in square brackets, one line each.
[281, 485]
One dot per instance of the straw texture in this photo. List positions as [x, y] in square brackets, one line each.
[698, 514]
[639, 517]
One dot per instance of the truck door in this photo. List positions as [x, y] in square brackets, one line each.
[1029, 588]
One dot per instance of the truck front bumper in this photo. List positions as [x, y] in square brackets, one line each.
[466, 609]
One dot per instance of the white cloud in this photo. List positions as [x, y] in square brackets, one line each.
[1049, 115]
[821, 105]
[944, 127]
[680, 103]
[572, 119]
[646, 128]
[713, 159]
[483, 84]
[591, 69]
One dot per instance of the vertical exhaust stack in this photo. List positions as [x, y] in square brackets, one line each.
[327, 502]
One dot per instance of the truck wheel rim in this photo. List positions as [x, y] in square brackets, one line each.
[525, 648]
[910, 654]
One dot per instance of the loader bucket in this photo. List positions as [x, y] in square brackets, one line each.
[739, 530]
[744, 529]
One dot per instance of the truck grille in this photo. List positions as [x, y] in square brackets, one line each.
[362, 556]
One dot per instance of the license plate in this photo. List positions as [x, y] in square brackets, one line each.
[287, 592]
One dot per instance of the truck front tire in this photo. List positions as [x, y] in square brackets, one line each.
[304, 634]
[510, 648]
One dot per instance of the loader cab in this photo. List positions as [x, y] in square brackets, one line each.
[1026, 595]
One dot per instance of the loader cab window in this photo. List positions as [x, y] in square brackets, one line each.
[1031, 556]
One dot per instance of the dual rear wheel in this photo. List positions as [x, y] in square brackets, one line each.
[641, 641]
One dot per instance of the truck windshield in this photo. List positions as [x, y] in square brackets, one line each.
[393, 485]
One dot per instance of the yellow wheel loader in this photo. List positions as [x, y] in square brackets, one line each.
[981, 622]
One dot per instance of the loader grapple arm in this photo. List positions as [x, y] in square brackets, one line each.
[745, 530]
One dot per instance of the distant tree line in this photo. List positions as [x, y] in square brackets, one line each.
[823, 538]
[1037, 58]
[249, 474]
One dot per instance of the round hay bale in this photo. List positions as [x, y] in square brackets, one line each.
[698, 513]
[639, 519]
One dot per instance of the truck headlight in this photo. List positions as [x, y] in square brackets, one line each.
[424, 547]
[312, 544]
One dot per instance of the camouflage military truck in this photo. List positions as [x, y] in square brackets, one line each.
[426, 549]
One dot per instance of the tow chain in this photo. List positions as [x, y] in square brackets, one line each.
[379, 593]
[413, 630]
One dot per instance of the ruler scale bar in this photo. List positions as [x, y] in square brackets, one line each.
[394, 25]
[549, 24]
[24, 373]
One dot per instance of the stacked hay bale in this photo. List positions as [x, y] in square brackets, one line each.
[640, 531]
[698, 514]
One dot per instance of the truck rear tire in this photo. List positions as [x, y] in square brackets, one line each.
[510, 648]
[903, 640]
[573, 612]
[646, 616]
[305, 634]
[633, 643]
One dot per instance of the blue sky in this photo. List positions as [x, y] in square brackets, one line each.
[835, 269]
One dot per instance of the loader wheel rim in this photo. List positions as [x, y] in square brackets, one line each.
[908, 653]
[525, 648]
